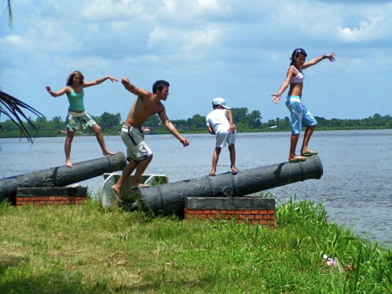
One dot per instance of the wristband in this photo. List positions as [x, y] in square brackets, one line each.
[324, 56]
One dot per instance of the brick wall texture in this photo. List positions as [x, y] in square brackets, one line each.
[51, 196]
[49, 200]
[249, 216]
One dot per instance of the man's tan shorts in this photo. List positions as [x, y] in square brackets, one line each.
[133, 138]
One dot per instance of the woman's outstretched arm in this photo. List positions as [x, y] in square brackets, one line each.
[58, 93]
[330, 57]
[99, 81]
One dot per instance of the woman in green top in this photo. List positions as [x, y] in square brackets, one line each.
[77, 116]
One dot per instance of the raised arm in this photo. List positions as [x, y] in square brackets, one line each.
[283, 87]
[99, 81]
[58, 93]
[134, 90]
[330, 57]
[172, 129]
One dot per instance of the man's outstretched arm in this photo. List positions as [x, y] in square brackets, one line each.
[134, 90]
[172, 129]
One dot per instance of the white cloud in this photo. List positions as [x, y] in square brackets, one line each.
[18, 41]
[216, 42]
[109, 9]
[366, 30]
[185, 39]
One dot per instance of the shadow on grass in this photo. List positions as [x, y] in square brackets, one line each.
[17, 276]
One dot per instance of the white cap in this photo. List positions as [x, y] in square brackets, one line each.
[220, 101]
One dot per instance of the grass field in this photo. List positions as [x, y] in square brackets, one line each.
[84, 249]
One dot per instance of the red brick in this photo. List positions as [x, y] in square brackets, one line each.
[258, 216]
[254, 221]
[207, 211]
[247, 211]
[238, 211]
[199, 211]
[223, 211]
[251, 216]
[230, 211]
[266, 216]
[215, 211]
[271, 211]
[263, 211]
[263, 222]
[272, 216]
[255, 211]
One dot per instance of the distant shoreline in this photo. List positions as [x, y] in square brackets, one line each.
[37, 134]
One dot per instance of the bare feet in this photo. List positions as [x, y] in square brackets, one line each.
[109, 153]
[68, 163]
[117, 193]
[140, 186]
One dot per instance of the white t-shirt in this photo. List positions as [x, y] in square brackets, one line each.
[218, 120]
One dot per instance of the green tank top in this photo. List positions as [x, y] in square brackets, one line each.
[75, 100]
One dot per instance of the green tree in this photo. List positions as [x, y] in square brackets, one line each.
[197, 121]
[240, 115]
[255, 119]
[153, 122]
[108, 121]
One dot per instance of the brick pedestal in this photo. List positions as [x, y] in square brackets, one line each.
[50, 195]
[247, 209]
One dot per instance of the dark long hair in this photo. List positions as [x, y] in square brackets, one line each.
[295, 54]
[72, 75]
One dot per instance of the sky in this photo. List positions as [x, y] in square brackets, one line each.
[238, 50]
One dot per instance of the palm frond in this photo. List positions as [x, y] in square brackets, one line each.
[9, 13]
[12, 108]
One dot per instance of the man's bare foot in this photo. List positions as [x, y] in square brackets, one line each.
[117, 193]
[68, 163]
[140, 186]
[109, 153]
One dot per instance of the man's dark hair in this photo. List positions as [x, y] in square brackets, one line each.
[158, 86]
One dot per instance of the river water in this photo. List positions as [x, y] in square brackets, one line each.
[356, 187]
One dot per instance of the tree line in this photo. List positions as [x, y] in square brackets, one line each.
[244, 120]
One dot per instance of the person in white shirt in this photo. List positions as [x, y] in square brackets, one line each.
[220, 123]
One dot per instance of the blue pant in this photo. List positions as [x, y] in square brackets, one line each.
[300, 115]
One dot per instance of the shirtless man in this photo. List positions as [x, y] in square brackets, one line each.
[139, 154]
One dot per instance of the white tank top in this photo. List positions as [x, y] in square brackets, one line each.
[299, 78]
